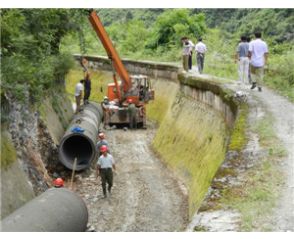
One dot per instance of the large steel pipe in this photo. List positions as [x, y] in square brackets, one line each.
[81, 145]
[55, 210]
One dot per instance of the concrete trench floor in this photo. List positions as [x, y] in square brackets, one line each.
[145, 197]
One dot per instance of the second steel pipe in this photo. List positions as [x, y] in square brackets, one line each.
[81, 145]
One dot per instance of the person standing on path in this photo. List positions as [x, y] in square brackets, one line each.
[79, 94]
[101, 141]
[258, 54]
[87, 84]
[105, 104]
[105, 167]
[243, 60]
[132, 112]
[185, 53]
[200, 49]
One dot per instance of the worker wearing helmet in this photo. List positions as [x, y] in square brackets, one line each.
[101, 141]
[132, 113]
[105, 166]
[58, 183]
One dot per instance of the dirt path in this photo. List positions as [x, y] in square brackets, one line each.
[145, 197]
[283, 113]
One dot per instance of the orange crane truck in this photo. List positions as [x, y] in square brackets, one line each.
[134, 88]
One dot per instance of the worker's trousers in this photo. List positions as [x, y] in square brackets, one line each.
[87, 95]
[257, 74]
[190, 60]
[244, 70]
[133, 120]
[185, 62]
[200, 62]
[78, 102]
[106, 177]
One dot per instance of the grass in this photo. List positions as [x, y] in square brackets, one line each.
[256, 198]
[268, 138]
[99, 81]
[238, 137]
[8, 152]
[191, 142]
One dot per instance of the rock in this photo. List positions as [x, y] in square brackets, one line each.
[232, 155]
[217, 221]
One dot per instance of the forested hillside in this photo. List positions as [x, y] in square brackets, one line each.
[36, 44]
[154, 34]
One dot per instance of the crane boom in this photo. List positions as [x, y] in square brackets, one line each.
[111, 52]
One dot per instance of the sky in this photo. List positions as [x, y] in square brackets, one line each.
[148, 4]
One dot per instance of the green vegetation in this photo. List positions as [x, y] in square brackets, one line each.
[238, 137]
[35, 44]
[268, 139]
[257, 196]
[8, 152]
[30, 59]
[189, 139]
[154, 34]
[154, 37]
[99, 81]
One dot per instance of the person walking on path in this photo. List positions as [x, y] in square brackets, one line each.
[79, 94]
[243, 60]
[87, 84]
[101, 141]
[200, 49]
[249, 74]
[190, 59]
[105, 167]
[185, 53]
[258, 54]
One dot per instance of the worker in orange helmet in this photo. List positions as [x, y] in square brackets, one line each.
[105, 167]
[101, 141]
[58, 183]
[132, 112]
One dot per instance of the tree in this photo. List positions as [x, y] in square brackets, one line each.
[174, 24]
[30, 50]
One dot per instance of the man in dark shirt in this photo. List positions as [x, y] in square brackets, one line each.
[87, 85]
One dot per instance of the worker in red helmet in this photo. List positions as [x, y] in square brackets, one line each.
[101, 141]
[105, 167]
[132, 113]
[58, 183]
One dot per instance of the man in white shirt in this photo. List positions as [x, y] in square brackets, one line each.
[200, 49]
[79, 94]
[258, 53]
[105, 167]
